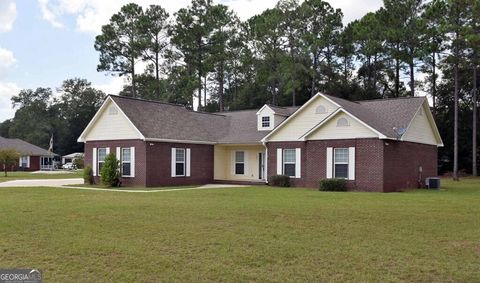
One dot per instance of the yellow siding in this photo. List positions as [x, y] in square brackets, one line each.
[112, 127]
[224, 161]
[420, 129]
[303, 121]
[329, 130]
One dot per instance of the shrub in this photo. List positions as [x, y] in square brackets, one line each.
[88, 175]
[333, 185]
[78, 162]
[110, 174]
[279, 181]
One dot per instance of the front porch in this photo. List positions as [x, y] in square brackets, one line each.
[240, 163]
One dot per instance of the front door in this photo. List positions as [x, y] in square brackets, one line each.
[261, 165]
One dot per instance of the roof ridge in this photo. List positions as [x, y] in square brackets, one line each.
[165, 103]
[391, 98]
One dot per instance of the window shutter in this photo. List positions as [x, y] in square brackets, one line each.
[298, 162]
[118, 154]
[187, 165]
[279, 161]
[28, 161]
[329, 162]
[351, 163]
[19, 161]
[107, 151]
[94, 161]
[132, 161]
[173, 161]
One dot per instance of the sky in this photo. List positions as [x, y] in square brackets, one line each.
[43, 42]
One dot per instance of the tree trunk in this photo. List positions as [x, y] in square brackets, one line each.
[220, 87]
[314, 77]
[397, 77]
[434, 84]
[474, 123]
[205, 92]
[157, 75]
[134, 87]
[455, 126]
[412, 78]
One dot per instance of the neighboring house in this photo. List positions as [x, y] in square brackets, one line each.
[32, 157]
[70, 158]
[379, 145]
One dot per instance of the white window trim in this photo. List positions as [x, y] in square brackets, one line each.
[184, 162]
[122, 161]
[341, 163]
[236, 162]
[289, 162]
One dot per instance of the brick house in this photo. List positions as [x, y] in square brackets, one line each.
[378, 145]
[32, 157]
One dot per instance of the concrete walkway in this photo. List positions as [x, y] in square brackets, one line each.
[71, 184]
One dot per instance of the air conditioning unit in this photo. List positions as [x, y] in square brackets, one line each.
[432, 183]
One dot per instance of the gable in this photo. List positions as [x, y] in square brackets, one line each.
[110, 123]
[304, 120]
[422, 129]
[341, 126]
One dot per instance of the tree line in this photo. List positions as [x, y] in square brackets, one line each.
[205, 57]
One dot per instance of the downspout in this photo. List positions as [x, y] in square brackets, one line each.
[265, 167]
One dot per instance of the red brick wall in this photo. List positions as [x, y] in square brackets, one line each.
[402, 162]
[378, 167]
[34, 163]
[368, 155]
[153, 162]
[140, 159]
[159, 164]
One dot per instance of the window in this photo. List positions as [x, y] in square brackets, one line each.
[239, 163]
[101, 154]
[24, 161]
[180, 162]
[126, 159]
[266, 122]
[321, 110]
[342, 122]
[341, 163]
[289, 158]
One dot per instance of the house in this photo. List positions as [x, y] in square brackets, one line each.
[33, 158]
[69, 158]
[378, 145]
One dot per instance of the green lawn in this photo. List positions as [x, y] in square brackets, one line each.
[244, 234]
[18, 175]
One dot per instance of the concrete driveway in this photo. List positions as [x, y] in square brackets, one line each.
[42, 183]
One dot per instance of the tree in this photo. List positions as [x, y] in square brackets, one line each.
[8, 158]
[120, 43]
[154, 25]
[321, 27]
[190, 36]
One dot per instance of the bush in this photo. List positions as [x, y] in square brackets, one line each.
[110, 173]
[279, 181]
[88, 175]
[78, 162]
[333, 185]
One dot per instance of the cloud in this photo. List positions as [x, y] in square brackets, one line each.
[114, 86]
[49, 14]
[7, 90]
[353, 10]
[7, 60]
[8, 14]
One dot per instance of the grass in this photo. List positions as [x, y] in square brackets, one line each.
[19, 175]
[99, 186]
[244, 234]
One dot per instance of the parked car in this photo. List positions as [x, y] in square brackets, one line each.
[68, 166]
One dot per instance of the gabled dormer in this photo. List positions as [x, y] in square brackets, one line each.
[265, 118]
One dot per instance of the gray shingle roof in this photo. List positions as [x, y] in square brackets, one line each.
[156, 120]
[23, 147]
[383, 114]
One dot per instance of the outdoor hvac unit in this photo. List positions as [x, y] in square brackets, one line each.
[432, 183]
